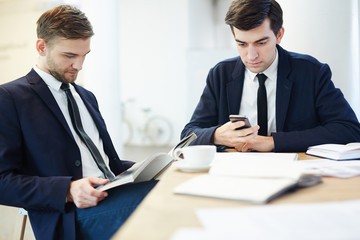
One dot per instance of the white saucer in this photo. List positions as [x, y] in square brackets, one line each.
[187, 168]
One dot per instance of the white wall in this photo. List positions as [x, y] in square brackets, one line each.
[153, 43]
[18, 36]
[210, 41]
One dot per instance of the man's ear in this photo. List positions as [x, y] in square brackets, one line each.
[280, 35]
[41, 47]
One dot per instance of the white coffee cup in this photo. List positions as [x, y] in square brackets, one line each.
[199, 155]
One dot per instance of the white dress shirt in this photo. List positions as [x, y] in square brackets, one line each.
[89, 166]
[248, 106]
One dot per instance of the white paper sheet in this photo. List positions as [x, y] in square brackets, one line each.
[327, 221]
[331, 168]
[268, 165]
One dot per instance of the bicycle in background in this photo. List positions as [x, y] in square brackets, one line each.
[141, 127]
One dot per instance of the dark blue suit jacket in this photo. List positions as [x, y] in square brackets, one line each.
[309, 109]
[39, 156]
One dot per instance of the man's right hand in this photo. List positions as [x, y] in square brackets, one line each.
[83, 193]
[228, 135]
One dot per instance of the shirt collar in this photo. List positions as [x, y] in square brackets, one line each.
[48, 78]
[270, 72]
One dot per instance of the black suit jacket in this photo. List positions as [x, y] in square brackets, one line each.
[39, 156]
[309, 109]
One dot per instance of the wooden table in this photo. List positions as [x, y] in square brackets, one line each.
[162, 212]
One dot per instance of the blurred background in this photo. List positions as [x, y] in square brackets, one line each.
[149, 59]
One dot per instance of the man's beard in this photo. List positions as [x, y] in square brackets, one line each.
[56, 74]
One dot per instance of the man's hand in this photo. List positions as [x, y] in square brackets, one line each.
[228, 135]
[83, 193]
[257, 143]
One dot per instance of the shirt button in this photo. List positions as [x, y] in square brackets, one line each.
[77, 163]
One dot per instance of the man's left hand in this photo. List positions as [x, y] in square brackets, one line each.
[257, 143]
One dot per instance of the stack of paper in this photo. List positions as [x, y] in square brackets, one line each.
[252, 177]
[336, 151]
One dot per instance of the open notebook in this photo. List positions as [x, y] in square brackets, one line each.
[250, 177]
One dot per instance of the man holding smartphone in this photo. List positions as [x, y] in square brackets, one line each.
[289, 98]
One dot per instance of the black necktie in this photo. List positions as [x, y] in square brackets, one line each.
[262, 105]
[77, 124]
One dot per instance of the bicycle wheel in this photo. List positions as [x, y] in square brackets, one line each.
[159, 131]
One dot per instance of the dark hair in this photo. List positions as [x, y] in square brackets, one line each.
[249, 14]
[63, 21]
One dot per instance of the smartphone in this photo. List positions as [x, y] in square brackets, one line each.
[236, 118]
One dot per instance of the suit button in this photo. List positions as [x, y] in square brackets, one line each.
[77, 163]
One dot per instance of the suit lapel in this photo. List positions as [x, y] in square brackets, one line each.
[283, 89]
[42, 90]
[89, 102]
[93, 112]
[234, 88]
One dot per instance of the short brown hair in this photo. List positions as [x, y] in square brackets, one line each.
[63, 21]
[249, 14]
